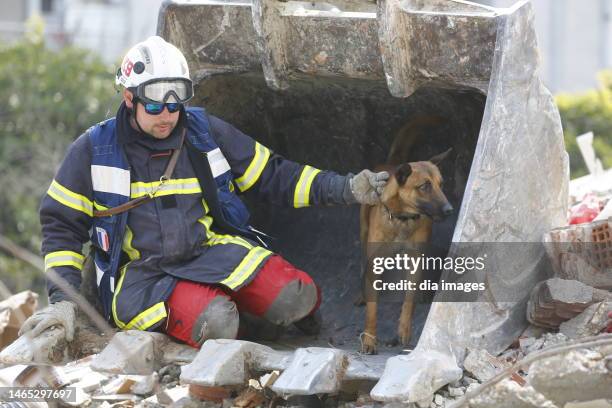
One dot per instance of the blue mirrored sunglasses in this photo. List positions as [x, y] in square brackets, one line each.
[157, 108]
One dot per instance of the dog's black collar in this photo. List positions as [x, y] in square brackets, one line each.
[404, 216]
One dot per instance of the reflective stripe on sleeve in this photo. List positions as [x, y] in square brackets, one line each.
[64, 258]
[246, 268]
[301, 197]
[70, 199]
[256, 167]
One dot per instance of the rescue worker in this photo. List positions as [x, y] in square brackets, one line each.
[155, 189]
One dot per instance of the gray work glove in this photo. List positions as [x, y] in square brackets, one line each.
[365, 187]
[57, 314]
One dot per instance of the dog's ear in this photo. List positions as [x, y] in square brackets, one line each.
[438, 158]
[402, 173]
[390, 190]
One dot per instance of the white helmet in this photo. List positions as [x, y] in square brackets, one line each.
[156, 70]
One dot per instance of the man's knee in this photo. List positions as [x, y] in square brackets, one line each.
[219, 320]
[296, 300]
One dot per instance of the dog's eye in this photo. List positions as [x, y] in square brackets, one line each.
[425, 186]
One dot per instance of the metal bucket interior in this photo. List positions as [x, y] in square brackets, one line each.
[345, 125]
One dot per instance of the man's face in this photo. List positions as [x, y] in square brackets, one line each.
[159, 126]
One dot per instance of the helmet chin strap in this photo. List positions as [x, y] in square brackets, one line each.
[135, 117]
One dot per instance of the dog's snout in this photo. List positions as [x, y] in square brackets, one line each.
[447, 209]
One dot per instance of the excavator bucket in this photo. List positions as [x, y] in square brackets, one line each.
[330, 84]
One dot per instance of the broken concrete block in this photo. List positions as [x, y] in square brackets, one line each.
[426, 402]
[150, 402]
[91, 382]
[173, 395]
[509, 394]
[119, 385]
[313, 370]
[40, 376]
[131, 352]
[456, 392]
[483, 365]
[415, 377]
[440, 400]
[144, 384]
[557, 300]
[267, 380]
[13, 312]
[471, 387]
[223, 362]
[48, 348]
[578, 375]
[588, 323]
[579, 252]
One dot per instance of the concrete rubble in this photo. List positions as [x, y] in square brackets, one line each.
[13, 312]
[142, 369]
[556, 300]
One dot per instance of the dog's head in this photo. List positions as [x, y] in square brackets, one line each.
[416, 187]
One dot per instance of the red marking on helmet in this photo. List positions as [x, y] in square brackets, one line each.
[127, 67]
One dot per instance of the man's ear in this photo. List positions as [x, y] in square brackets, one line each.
[438, 158]
[128, 99]
[402, 173]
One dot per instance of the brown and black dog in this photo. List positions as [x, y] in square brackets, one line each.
[410, 202]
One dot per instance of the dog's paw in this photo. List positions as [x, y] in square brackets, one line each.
[404, 334]
[392, 341]
[368, 343]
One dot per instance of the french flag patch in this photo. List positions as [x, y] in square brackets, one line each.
[103, 240]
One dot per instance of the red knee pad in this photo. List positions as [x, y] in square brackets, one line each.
[186, 303]
[257, 297]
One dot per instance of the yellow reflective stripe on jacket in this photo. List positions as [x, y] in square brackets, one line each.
[173, 186]
[255, 168]
[127, 247]
[64, 258]
[207, 222]
[99, 207]
[301, 197]
[218, 239]
[212, 238]
[144, 319]
[122, 272]
[148, 318]
[70, 199]
[246, 268]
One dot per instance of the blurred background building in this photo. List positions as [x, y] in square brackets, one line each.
[575, 35]
[109, 27]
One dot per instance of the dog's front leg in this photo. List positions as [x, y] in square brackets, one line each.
[404, 328]
[368, 337]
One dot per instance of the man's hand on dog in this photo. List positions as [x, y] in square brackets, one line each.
[365, 187]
